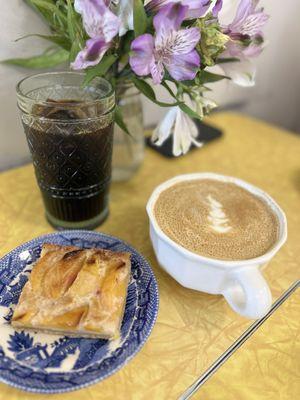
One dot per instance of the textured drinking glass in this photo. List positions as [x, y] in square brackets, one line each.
[69, 130]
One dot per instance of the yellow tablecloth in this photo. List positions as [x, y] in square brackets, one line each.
[193, 328]
[267, 367]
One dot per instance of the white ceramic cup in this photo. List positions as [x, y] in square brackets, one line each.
[239, 281]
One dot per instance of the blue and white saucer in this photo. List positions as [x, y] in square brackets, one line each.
[45, 363]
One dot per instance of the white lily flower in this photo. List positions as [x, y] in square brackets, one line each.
[124, 10]
[181, 126]
[164, 128]
[242, 73]
[203, 105]
[208, 104]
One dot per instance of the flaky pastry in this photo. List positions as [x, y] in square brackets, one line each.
[77, 292]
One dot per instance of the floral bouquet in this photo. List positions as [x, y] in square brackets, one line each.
[173, 43]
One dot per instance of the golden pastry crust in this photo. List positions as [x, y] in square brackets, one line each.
[73, 291]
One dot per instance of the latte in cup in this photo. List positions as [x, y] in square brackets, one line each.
[217, 219]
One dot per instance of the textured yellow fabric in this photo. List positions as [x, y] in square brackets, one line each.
[267, 367]
[193, 328]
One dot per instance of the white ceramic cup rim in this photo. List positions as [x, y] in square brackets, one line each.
[215, 261]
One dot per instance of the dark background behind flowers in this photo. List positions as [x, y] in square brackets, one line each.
[275, 98]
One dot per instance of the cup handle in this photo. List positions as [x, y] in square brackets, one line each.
[248, 293]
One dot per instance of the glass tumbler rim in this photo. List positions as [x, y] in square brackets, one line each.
[24, 99]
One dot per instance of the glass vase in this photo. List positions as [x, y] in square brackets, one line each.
[128, 151]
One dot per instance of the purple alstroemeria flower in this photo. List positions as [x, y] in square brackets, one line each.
[238, 50]
[243, 72]
[247, 25]
[196, 8]
[247, 22]
[171, 47]
[101, 25]
[217, 8]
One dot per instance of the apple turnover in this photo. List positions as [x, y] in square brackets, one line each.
[77, 292]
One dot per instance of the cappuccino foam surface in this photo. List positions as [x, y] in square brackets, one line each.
[216, 219]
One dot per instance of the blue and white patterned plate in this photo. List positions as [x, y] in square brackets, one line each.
[45, 363]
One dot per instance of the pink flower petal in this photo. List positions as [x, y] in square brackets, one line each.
[157, 72]
[142, 58]
[91, 55]
[184, 66]
[197, 8]
[253, 24]
[253, 50]
[184, 41]
[168, 19]
[237, 50]
[243, 10]
[98, 20]
[217, 8]
[156, 5]
[248, 20]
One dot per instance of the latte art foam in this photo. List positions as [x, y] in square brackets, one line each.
[216, 219]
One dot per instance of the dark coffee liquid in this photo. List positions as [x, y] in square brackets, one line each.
[72, 159]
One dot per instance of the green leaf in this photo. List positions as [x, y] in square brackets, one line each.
[147, 90]
[47, 15]
[120, 121]
[191, 113]
[125, 42]
[57, 39]
[167, 87]
[188, 83]
[139, 18]
[75, 48]
[100, 69]
[124, 59]
[49, 7]
[144, 87]
[74, 30]
[71, 21]
[209, 77]
[227, 60]
[53, 12]
[46, 60]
